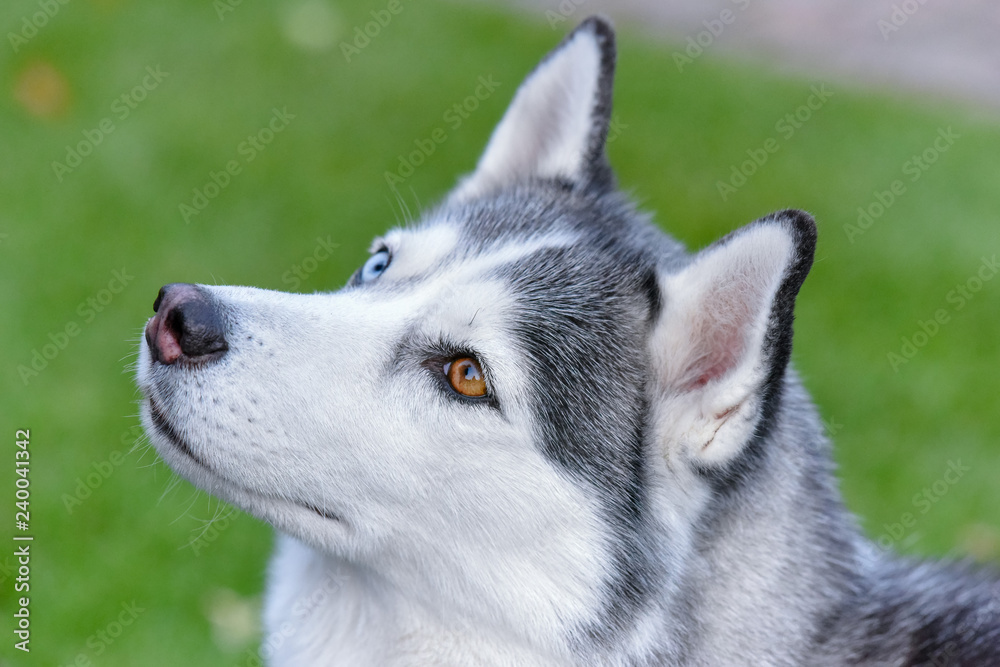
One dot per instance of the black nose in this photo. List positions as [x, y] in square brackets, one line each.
[187, 323]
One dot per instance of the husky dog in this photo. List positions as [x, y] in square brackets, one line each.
[533, 430]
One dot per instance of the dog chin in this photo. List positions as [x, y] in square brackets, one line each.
[292, 516]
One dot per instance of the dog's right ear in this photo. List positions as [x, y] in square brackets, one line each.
[557, 124]
[723, 338]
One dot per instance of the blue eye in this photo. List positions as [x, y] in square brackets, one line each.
[375, 266]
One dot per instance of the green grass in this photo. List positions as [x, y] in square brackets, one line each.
[136, 536]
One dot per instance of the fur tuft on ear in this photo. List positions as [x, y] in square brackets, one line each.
[557, 124]
[723, 339]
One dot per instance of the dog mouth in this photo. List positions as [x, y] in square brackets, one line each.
[165, 428]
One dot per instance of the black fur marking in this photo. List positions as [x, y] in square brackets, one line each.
[599, 174]
[593, 432]
[585, 312]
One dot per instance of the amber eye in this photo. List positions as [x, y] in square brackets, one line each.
[466, 376]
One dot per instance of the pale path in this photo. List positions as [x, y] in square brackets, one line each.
[941, 48]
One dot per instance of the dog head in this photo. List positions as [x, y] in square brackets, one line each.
[519, 402]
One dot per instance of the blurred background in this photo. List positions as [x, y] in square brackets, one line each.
[263, 144]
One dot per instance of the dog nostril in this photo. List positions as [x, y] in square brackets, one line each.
[159, 298]
[187, 322]
[198, 327]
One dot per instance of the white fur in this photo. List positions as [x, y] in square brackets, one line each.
[423, 250]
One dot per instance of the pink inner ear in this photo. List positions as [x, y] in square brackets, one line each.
[712, 365]
[722, 330]
[716, 371]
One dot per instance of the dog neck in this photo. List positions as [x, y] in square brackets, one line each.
[321, 610]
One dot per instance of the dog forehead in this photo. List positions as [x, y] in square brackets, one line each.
[466, 290]
[442, 250]
[418, 249]
[536, 253]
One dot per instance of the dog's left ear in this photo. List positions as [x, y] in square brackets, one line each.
[724, 334]
[557, 124]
